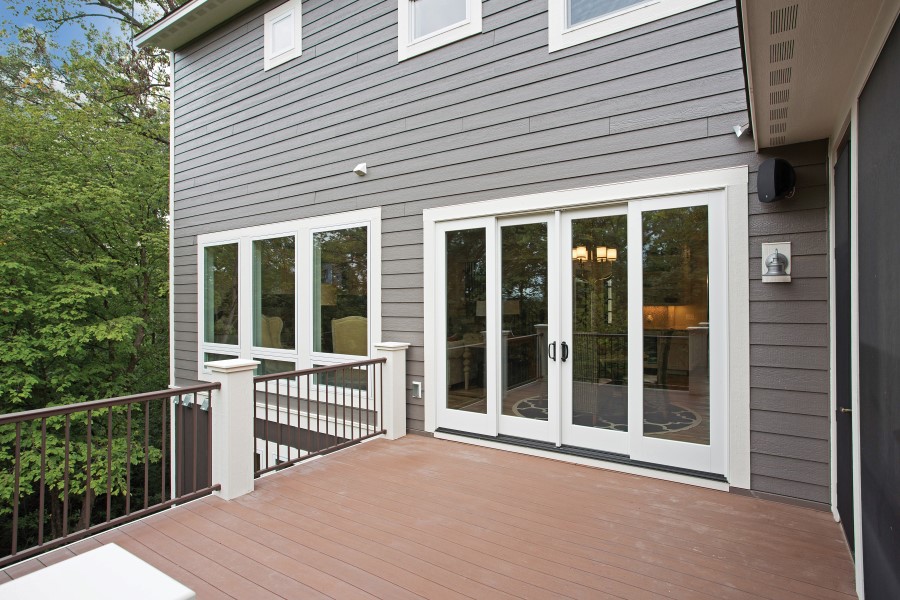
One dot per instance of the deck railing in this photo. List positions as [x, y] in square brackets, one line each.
[311, 412]
[79, 469]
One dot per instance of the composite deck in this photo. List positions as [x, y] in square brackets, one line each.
[426, 518]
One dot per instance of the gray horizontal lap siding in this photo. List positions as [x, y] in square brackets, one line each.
[789, 336]
[491, 116]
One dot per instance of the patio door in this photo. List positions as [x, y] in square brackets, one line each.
[646, 370]
[594, 293]
[528, 309]
[597, 328]
[677, 300]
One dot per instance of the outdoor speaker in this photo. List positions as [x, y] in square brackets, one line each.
[775, 180]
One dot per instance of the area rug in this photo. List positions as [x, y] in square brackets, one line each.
[655, 422]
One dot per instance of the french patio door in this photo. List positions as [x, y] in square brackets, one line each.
[599, 328]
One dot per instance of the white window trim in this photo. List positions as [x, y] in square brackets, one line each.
[272, 60]
[561, 36]
[302, 230]
[734, 183]
[407, 47]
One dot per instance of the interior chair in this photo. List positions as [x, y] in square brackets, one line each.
[350, 336]
[270, 330]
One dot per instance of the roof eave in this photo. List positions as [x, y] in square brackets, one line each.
[189, 22]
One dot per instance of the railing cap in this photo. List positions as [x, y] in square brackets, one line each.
[391, 346]
[232, 365]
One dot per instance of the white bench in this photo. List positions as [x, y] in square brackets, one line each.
[106, 572]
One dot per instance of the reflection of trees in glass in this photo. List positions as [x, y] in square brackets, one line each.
[676, 256]
[343, 281]
[273, 294]
[221, 291]
[466, 282]
[595, 284]
[524, 277]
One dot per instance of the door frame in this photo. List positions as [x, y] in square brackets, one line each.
[575, 435]
[545, 431]
[730, 185]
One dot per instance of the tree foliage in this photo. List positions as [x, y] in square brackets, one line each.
[83, 239]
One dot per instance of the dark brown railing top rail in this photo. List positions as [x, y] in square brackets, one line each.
[315, 370]
[55, 411]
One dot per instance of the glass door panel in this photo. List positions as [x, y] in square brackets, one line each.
[466, 310]
[675, 317]
[600, 323]
[595, 322]
[523, 323]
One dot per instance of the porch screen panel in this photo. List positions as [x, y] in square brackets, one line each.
[466, 365]
[581, 11]
[341, 291]
[274, 304]
[676, 324]
[220, 294]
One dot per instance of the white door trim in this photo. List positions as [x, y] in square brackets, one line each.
[735, 183]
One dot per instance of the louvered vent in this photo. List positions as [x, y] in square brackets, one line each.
[781, 51]
[779, 96]
[777, 140]
[778, 113]
[778, 127]
[780, 76]
[783, 19]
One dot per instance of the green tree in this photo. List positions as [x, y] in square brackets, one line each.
[83, 245]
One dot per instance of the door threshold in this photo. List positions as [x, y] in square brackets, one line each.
[631, 466]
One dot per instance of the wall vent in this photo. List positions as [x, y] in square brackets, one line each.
[778, 127]
[780, 76]
[779, 97]
[777, 140]
[781, 51]
[783, 19]
[778, 113]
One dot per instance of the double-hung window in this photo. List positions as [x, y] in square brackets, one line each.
[428, 24]
[291, 295]
[282, 34]
[576, 21]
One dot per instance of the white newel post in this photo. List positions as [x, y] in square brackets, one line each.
[394, 385]
[233, 412]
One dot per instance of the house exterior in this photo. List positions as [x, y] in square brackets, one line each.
[556, 204]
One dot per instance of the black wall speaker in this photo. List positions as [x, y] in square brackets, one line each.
[776, 179]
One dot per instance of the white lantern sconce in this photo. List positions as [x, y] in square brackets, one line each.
[776, 262]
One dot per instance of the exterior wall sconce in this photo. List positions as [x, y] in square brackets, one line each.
[776, 262]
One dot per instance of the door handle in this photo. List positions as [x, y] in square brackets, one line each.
[551, 350]
[565, 351]
[845, 410]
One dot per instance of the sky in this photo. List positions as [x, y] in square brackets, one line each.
[63, 37]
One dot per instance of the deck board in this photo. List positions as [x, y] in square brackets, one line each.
[425, 518]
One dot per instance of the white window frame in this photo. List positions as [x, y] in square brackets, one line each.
[561, 36]
[290, 9]
[409, 46]
[302, 354]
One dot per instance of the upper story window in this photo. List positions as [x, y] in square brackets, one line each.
[428, 24]
[577, 21]
[282, 34]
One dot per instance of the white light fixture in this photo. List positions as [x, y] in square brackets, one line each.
[740, 129]
[360, 169]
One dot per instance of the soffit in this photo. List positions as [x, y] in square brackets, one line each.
[802, 58]
[189, 22]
